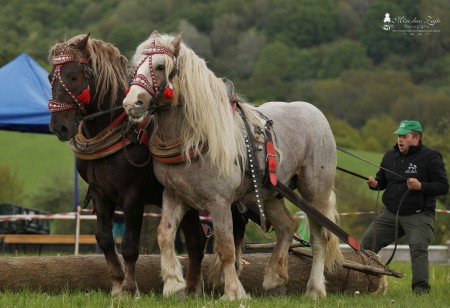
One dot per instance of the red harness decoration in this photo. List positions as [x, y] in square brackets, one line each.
[86, 154]
[271, 162]
[78, 102]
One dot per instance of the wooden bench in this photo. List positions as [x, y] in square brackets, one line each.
[46, 239]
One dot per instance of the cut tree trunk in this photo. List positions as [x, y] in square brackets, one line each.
[89, 272]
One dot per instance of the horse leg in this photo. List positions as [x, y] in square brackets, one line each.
[276, 275]
[239, 224]
[223, 230]
[106, 243]
[171, 272]
[195, 243]
[130, 246]
[325, 248]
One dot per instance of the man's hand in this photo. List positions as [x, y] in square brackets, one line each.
[372, 182]
[414, 184]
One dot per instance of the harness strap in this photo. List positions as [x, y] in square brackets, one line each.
[111, 140]
[271, 162]
[313, 213]
[254, 169]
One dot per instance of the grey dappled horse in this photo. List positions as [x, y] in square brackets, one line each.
[193, 112]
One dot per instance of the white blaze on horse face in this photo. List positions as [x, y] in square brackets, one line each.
[137, 101]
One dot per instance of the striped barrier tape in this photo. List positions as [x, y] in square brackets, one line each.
[72, 215]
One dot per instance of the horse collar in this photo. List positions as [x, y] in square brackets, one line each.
[109, 141]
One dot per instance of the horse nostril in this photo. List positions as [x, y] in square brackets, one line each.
[139, 103]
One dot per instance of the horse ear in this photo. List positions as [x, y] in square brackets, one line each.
[81, 45]
[177, 42]
[154, 33]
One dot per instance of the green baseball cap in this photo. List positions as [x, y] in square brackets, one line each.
[406, 126]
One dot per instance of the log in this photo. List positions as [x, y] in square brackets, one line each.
[89, 272]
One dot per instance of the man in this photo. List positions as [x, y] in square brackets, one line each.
[418, 176]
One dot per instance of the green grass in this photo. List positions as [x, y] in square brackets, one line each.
[399, 294]
[356, 165]
[36, 159]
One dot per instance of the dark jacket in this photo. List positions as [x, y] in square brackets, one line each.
[421, 163]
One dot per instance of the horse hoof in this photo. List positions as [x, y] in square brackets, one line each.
[316, 293]
[175, 290]
[277, 291]
[242, 296]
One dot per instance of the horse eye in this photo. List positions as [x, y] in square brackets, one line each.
[160, 67]
[74, 77]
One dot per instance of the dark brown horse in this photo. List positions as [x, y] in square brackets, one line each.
[89, 78]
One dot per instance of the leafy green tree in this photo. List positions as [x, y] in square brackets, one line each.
[271, 70]
[198, 41]
[377, 133]
[303, 24]
[345, 135]
[378, 42]
[436, 44]
[349, 19]
[342, 55]
[428, 107]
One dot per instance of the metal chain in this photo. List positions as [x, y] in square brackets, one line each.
[385, 267]
[368, 255]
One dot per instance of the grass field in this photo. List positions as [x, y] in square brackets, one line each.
[37, 158]
[399, 294]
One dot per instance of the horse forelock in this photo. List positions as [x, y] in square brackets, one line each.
[109, 67]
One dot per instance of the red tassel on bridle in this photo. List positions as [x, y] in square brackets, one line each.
[85, 96]
[168, 91]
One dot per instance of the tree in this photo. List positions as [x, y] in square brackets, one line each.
[435, 44]
[378, 42]
[379, 129]
[303, 24]
[340, 56]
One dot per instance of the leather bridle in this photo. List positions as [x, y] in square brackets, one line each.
[80, 101]
[166, 88]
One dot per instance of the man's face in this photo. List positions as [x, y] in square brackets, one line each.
[405, 141]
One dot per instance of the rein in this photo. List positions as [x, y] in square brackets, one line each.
[399, 205]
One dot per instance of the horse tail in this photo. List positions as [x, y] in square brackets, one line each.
[334, 256]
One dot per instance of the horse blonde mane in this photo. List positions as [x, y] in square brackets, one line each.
[208, 116]
[108, 66]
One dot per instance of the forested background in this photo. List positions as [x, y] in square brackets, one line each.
[332, 53]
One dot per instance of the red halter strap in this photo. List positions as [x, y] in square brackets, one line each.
[80, 100]
[142, 81]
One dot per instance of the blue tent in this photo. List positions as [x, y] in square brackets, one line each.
[24, 94]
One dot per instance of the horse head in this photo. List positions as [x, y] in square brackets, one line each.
[156, 68]
[85, 73]
[70, 82]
